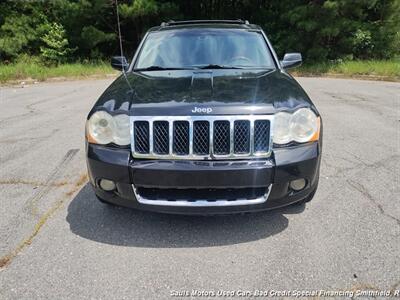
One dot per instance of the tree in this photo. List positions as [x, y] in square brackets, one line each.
[320, 29]
[16, 34]
[56, 48]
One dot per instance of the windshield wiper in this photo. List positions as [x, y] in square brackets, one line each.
[158, 68]
[212, 66]
[203, 67]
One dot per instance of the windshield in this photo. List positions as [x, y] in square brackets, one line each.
[212, 48]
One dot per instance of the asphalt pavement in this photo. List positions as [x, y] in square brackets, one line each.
[58, 242]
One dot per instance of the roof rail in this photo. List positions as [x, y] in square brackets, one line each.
[171, 22]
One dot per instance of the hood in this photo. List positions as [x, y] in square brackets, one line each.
[196, 92]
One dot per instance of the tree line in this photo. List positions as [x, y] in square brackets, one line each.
[76, 30]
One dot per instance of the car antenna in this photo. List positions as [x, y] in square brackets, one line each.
[119, 33]
[120, 43]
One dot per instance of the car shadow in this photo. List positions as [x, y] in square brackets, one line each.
[103, 223]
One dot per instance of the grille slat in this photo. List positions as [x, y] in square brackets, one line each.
[261, 135]
[161, 137]
[195, 137]
[201, 137]
[181, 138]
[241, 137]
[141, 130]
[221, 137]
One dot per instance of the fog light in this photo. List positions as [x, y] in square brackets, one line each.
[298, 184]
[107, 185]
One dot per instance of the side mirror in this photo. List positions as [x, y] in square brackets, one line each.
[119, 63]
[291, 60]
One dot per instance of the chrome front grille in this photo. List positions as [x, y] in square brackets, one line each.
[201, 137]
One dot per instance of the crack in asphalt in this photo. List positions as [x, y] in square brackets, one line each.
[7, 259]
[376, 164]
[33, 111]
[347, 97]
[35, 141]
[32, 182]
[29, 208]
[339, 170]
[361, 188]
[361, 164]
[356, 100]
[49, 182]
[23, 139]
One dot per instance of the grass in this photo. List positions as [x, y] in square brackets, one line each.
[374, 69]
[34, 70]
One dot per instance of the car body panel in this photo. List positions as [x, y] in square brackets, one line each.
[288, 164]
[226, 91]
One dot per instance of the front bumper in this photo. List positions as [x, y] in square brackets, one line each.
[274, 174]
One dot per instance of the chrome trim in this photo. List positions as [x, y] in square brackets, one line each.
[211, 149]
[203, 202]
[252, 136]
[190, 137]
[170, 136]
[151, 138]
[231, 136]
[211, 120]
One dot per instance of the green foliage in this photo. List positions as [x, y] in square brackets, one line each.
[16, 34]
[55, 49]
[387, 69]
[139, 8]
[20, 28]
[322, 30]
[91, 37]
[26, 67]
[362, 43]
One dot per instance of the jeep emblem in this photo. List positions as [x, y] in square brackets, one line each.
[205, 110]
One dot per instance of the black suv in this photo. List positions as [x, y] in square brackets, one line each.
[205, 120]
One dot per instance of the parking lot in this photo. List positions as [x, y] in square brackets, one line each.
[57, 241]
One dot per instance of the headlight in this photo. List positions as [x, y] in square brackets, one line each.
[282, 128]
[122, 133]
[102, 128]
[301, 126]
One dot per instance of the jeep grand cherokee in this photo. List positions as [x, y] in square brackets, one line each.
[204, 120]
